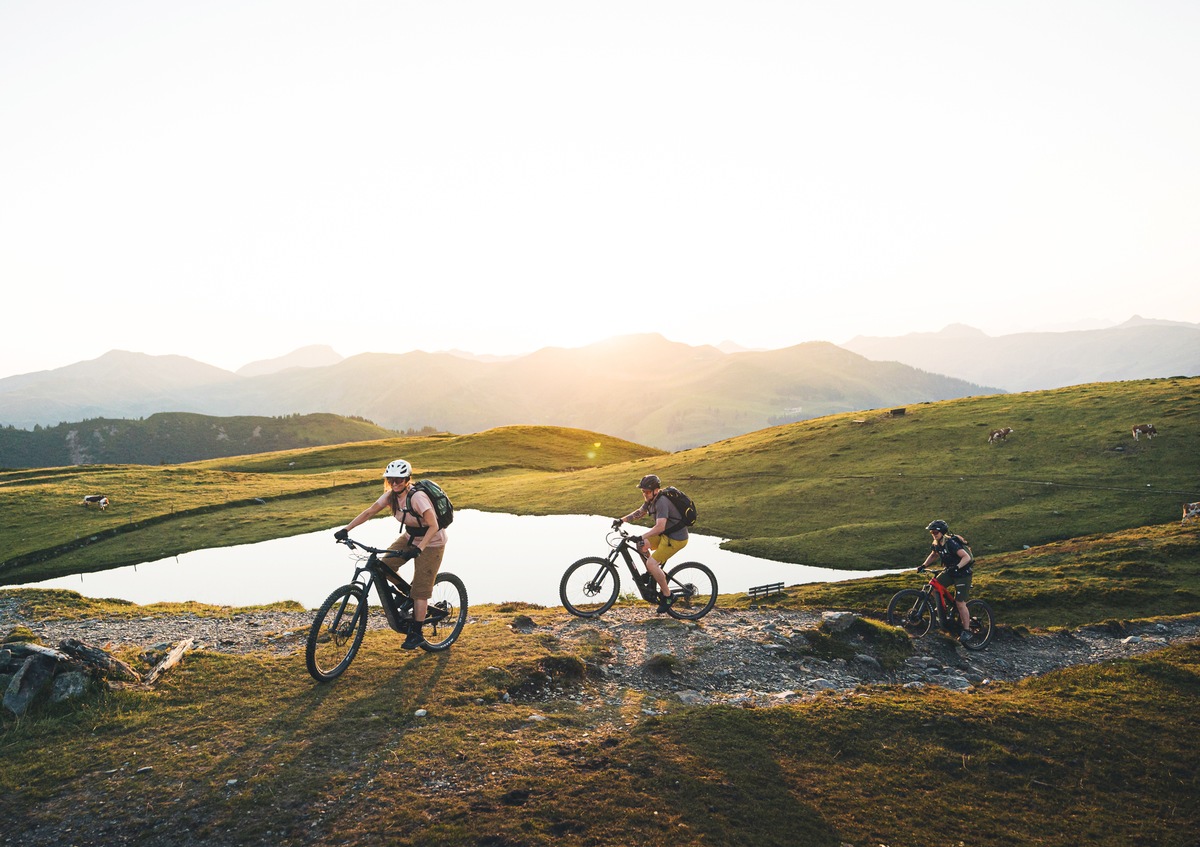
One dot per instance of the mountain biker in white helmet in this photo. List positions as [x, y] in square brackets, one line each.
[417, 541]
[956, 570]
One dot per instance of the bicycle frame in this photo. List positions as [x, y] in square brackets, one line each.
[946, 610]
[647, 585]
[395, 599]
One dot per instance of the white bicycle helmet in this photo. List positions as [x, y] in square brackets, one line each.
[398, 469]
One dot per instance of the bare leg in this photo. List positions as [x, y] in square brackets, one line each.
[963, 614]
[655, 570]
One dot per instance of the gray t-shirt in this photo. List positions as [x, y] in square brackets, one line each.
[664, 508]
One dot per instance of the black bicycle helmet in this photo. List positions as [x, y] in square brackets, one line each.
[939, 526]
[650, 482]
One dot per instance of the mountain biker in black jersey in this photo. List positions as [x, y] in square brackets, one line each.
[667, 537]
[956, 570]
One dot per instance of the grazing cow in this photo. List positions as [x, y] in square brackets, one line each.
[1000, 434]
[1147, 430]
[1190, 510]
[98, 501]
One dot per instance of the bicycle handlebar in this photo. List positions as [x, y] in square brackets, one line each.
[358, 545]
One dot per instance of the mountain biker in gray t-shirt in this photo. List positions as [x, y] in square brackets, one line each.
[660, 543]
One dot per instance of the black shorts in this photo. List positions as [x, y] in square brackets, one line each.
[960, 579]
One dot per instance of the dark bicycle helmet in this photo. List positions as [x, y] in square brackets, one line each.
[939, 526]
[650, 482]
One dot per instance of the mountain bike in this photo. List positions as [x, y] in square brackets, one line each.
[338, 629]
[591, 586]
[917, 609]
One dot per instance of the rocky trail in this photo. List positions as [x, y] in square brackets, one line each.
[758, 657]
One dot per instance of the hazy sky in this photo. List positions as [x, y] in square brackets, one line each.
[233, 180]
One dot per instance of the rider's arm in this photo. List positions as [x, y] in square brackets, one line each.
[659, 528]
[369, 512]
[639, 512]
[930, 559]
[964, 558]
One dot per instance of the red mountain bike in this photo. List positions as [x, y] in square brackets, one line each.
[916, 609]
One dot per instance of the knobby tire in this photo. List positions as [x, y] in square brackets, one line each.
[982, 622]
[589, 587]
[698, 585]
[909, 608]
[447, 613]
[336, 633]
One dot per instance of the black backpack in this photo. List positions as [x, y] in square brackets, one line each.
[683, 504]
[441, 503]
[966, 547]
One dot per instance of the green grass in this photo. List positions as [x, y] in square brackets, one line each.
[159, 511]
[250, 750]
[828, 492]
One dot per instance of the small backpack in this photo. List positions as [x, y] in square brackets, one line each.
[966, 547]
[683, 504]
[441, 503]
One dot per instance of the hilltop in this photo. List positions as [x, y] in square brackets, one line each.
[850, 490]
[173, 437]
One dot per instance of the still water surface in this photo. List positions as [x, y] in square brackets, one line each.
[500, 557]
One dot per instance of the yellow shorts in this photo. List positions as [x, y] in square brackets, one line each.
[663, 548]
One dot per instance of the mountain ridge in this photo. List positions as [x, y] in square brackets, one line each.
[1139, 348]
[641, 387]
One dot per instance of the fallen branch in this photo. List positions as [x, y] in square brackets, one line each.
[169, 661]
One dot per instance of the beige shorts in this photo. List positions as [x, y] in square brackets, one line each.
[426, 566]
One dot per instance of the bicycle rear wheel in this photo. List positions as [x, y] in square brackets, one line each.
[694, 588]
[910, 609]
[589, 587]
[446, 614]
[336, 633]
[981, 624]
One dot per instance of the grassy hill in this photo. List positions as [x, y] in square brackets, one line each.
[851, 490]
[247, 750]
[173, 437]
[162, 510]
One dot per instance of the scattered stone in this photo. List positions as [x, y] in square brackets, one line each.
[838, 621]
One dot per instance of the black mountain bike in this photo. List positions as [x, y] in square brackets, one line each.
[337, 631]
[917, 610]
[590, 587]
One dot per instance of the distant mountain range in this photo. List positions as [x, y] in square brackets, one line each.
[1031, 361]
[643, 388]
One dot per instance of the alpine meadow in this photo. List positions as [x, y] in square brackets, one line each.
[497, 742]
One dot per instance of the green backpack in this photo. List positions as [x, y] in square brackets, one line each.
[441, 503]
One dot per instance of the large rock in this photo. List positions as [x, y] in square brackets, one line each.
[33, 677]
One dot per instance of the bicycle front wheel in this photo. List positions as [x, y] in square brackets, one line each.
[336, 633]
[694, 588]
[446, 614]
[589, 587]
[910, 609]
[981, 624]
